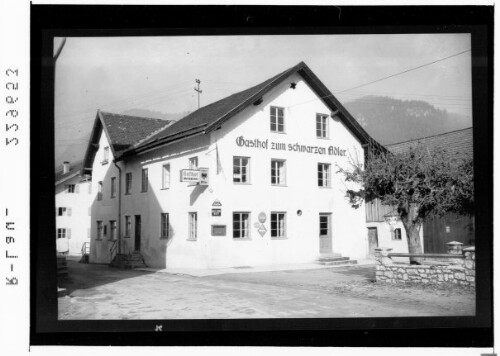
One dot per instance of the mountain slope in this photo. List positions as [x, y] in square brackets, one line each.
[391, 120]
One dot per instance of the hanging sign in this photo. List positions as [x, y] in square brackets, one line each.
[203, 176]
[262, 230]
[262, 217]
[190, 175]
[198, 176]
[216, 212]
[216, 203]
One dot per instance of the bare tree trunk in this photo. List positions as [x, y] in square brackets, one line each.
[412, 229]
[414, 246]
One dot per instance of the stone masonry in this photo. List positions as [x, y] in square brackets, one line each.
[458, 271]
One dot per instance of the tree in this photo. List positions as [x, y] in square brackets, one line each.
[418, 183]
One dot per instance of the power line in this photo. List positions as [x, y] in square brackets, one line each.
[389, 76]
[405, 71]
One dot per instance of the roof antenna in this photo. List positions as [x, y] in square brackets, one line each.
[198, 90]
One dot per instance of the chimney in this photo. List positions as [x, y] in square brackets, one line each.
[66, 167]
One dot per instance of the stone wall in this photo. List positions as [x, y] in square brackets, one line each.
[460, 270]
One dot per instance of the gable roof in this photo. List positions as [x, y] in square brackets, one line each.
[122, 132]
[75, 169]
[458, 144]
[212, 116]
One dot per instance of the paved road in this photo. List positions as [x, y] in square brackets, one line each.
[101, 292]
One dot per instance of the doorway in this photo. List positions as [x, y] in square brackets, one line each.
[372, 240]
[325, 233]
[137, 242]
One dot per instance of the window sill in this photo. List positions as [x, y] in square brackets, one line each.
[278, 132]
[279, 185]
[241, 183]
[191, 239]
[127, 194]
[167, 188]
[98, 239]
[144, 191]
[241, 239]
[323, 138]
[164, 237]
[104, 162]
[279, 238]
[324, 187]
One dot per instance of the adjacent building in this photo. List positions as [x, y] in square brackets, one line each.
[73, 200]
[248, 180]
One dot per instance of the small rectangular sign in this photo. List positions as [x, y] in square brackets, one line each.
[218, 230]
[190, 175]
[216, 212]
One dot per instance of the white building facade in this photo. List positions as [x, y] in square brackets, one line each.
[73, 201]
[272, 194]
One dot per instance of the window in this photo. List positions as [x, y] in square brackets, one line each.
[324, 224]
[278, 225]
[113, 231]
[99, 190]
[277, 119]
[71, 188]
[105, 157]
[166, 176]
[396, 234]
[128, 183]
[61, 233]
[113, 187]
[128, 225]
[193, 163]
[323, 175]
[144, 182]
[278, 172]
[164, 225]
[193, 226]
[241, 223]
[100, 230]
[63, 211]
[322, 126]
[241, 169]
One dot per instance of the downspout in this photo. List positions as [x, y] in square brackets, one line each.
[119, 207]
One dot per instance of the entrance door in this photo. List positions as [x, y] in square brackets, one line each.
[325, 233]
[137, 245]
[372, 240]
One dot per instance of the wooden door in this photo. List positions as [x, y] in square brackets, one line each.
[372, 240]
[325, 233]
[137, 245]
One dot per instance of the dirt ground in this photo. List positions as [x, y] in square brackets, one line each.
[101, 292]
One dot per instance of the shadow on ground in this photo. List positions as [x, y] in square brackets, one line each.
[85, 276]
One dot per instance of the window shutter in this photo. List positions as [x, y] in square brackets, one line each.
[66, 188]
[68, 233]
[57, 211]
[69, 211]
[77, 188]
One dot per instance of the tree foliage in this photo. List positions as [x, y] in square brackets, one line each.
[418, 183]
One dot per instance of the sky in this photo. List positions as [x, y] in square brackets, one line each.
[117, 74]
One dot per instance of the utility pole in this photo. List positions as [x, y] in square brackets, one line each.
[198, 90]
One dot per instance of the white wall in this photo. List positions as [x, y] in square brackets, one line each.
[79, 220]
[106, 209]
[385, 237]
